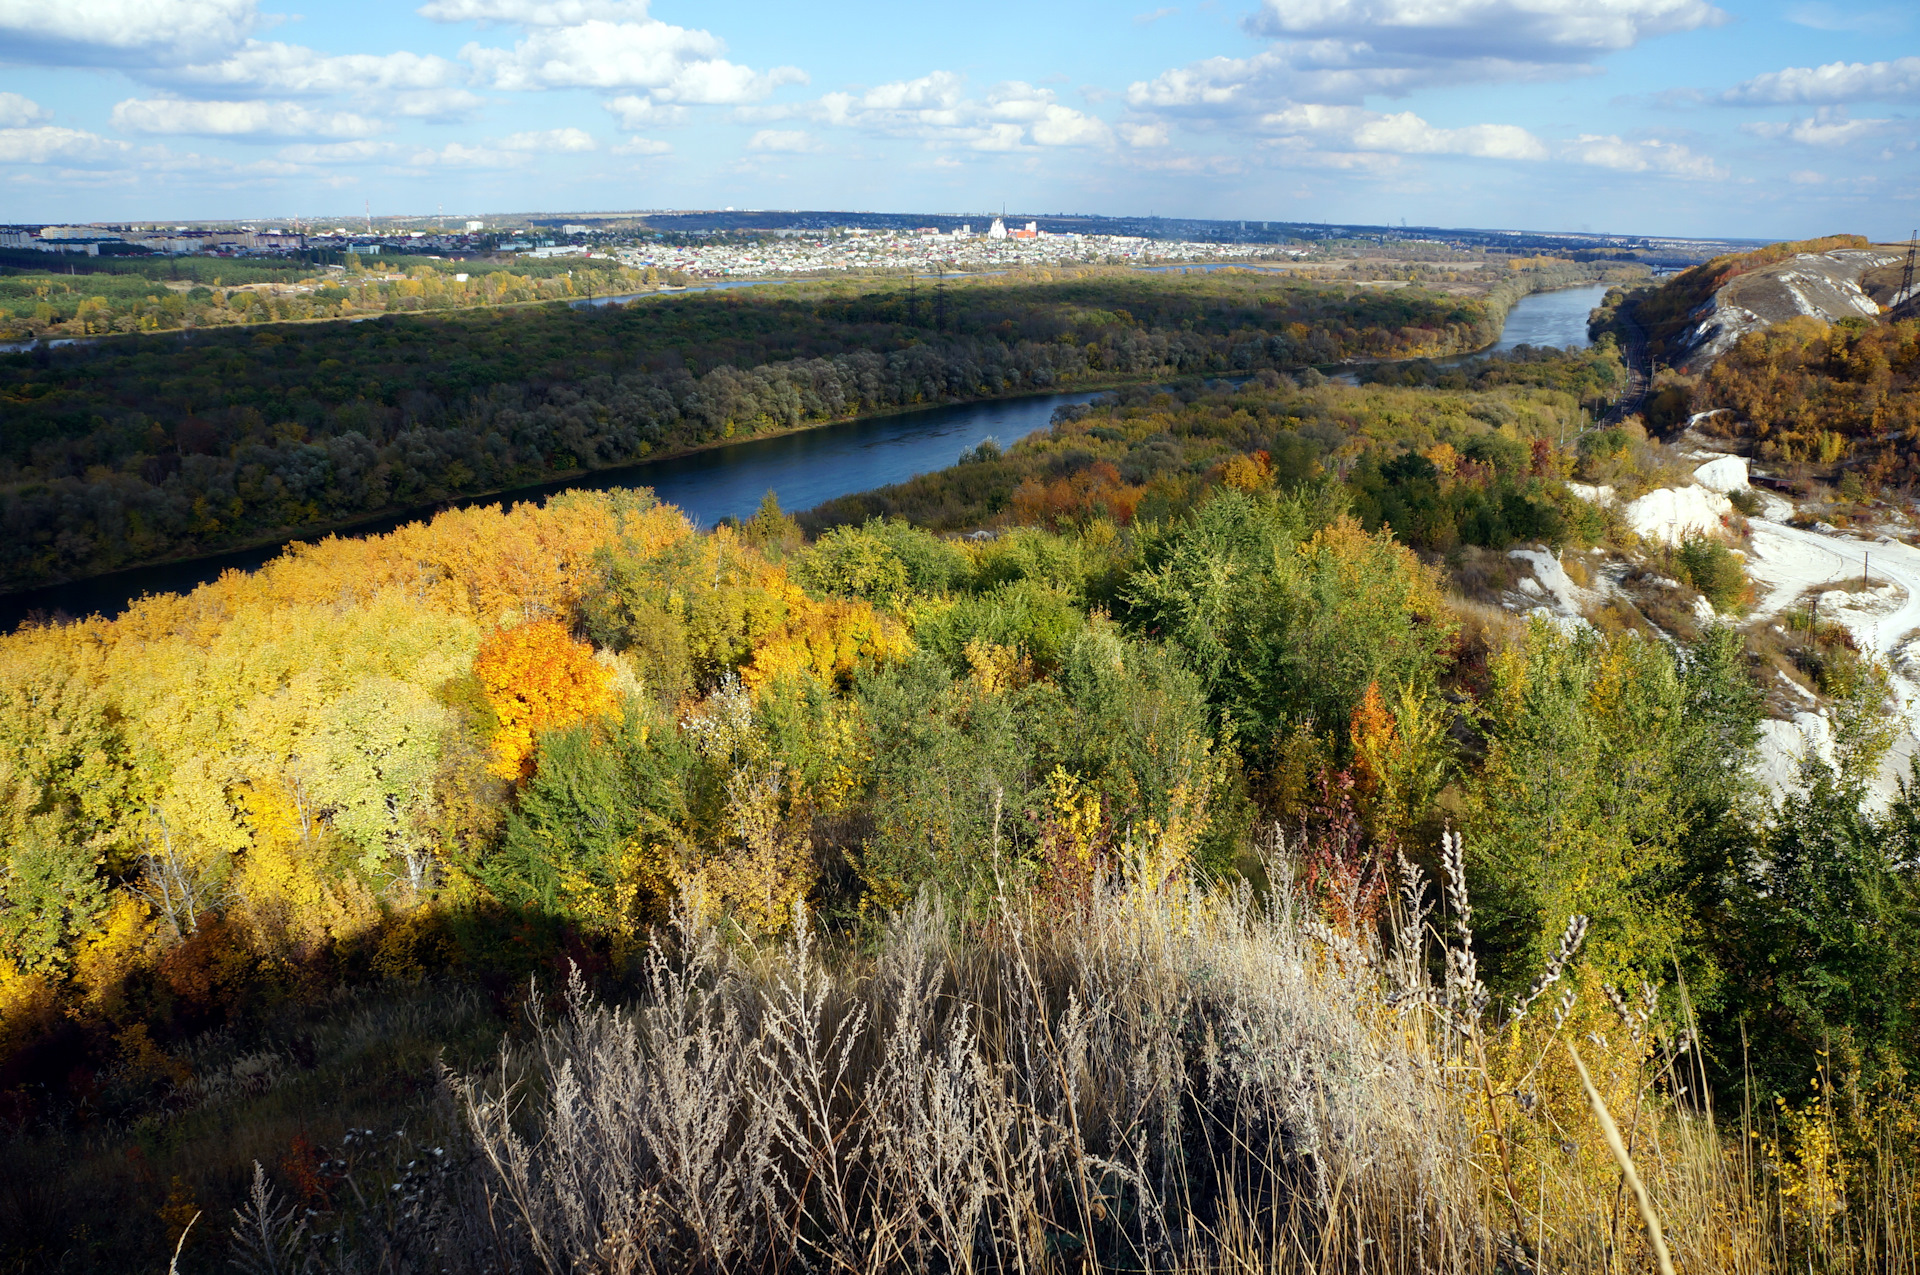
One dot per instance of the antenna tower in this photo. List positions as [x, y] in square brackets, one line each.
[1904, 297]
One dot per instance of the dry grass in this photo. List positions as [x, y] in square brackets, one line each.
[1176, 1080]
[1171, 1079]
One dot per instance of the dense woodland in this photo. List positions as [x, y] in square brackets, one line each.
[1803, 391]
[97, 296]
[1115, 839]
[138, 449]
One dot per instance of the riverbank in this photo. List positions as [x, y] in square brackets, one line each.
[109, 592]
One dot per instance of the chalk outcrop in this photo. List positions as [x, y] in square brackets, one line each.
[1671, 515]
[1725, 475]
[1820, 285]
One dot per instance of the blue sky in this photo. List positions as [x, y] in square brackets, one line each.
[1684, 117]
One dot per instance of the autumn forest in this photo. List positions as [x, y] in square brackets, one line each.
[1150, 844]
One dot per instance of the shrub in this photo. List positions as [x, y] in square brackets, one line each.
[1712, 568]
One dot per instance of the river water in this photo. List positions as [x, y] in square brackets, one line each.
[803, 469]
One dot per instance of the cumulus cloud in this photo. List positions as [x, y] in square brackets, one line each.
[535, 13]
[293, 68]
[1322, 71]
[359, 152]
[936, 109]
[460, 155]
[550, 140]
[1403, 133]
[1654, 156]
[1144, 136]
[783, 140]
[17, 111]
[1519, 31]
[673, 64]
[1829, 126]
[238, 119]
[636, 112]
[1342, 52]
[122, 32]
[1894, 81]
[43, 144]
[642, 146]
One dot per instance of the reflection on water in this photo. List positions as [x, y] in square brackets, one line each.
[1551, 318]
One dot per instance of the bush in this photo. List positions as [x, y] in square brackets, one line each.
[1713, 569]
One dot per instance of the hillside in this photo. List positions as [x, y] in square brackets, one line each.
[1699, 315]
[1254, 809]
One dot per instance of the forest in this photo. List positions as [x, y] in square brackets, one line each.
[139, 449]
[1803, 392]
[1141, 846]
[100, 296]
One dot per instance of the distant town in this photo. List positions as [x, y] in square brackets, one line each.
[730, 244]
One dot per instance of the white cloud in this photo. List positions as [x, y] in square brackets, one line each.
[1514, 30]
[1342, 52]
[550, 140]
[121, 32]
[1404, 133]
[935, 108]
[360, 152]
[1828, 126]
[17, 111]
[997, 137]
[412, 84]
[39, 145]
[635, 112]
[1407, 134]
[535, 13]
[1321, 71]
[1654, 156]
[1897, 80]
[786, 140]
[460, 155]
[1144, 136]
[238, 119]
[641, 146]
[1142, 19]
[674, 64]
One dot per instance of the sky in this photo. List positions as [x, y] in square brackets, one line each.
[1770, 119]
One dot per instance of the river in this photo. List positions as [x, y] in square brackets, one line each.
[802, 468]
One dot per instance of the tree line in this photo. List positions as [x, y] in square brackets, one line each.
[140, 449]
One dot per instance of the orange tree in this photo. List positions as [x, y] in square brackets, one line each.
[538, 678]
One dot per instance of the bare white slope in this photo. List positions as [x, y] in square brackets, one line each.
[1786, 562]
